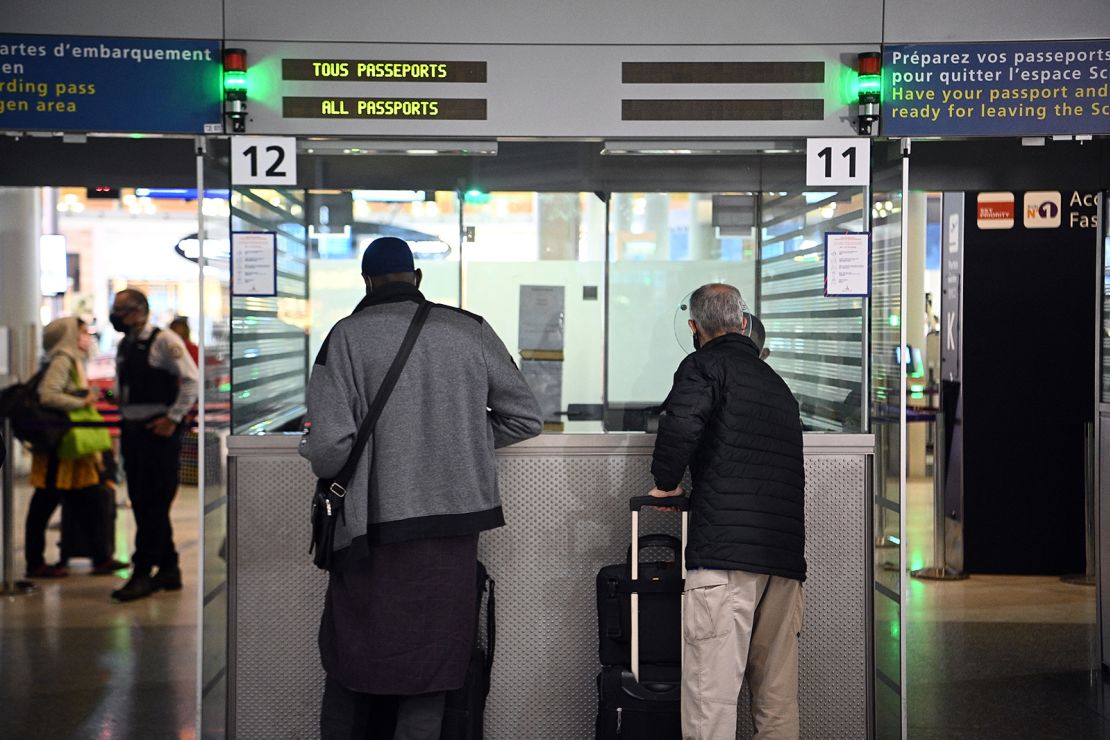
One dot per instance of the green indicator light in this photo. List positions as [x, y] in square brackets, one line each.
[870, 85]
[917, 388]
[236, 81]
[894, 320]
[477, 197]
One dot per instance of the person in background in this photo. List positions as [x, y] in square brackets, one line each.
[156, 385]
[398, 622]
[180, 327]
[64, 386]
[734, 423]
[758, 334]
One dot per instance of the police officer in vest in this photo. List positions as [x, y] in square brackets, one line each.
[156, 385]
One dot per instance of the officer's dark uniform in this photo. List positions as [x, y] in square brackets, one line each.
[151, 462]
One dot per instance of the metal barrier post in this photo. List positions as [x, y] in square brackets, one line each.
[12, 587]
[939, 571]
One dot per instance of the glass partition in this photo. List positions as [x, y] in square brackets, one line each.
[534, 268]
[589, 293]
[269, 367]
[816, 341]
[887, 385]
[771, 246]
[662, 246]
[343, 222]
[215, 330]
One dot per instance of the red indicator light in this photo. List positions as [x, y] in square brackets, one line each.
[235, 60]
[870, 63]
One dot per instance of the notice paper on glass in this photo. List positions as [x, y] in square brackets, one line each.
[254, 263]
[847, 264]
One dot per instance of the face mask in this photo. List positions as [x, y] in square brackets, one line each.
[117, 322]
[697, 341]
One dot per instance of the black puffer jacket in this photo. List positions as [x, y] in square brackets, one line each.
[734, 422]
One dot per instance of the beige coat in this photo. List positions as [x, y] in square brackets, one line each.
[62, 388]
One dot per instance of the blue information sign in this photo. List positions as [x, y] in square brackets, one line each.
[86, 83]
[999, 89]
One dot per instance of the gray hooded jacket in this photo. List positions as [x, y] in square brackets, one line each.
[429, 468]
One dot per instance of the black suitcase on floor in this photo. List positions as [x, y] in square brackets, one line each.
[660, 607]
[87, 514]
[641, 702]
[464, 709]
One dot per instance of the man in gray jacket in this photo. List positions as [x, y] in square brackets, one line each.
[398, 623]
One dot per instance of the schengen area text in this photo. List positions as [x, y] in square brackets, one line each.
[1026, 88]
[57, 75]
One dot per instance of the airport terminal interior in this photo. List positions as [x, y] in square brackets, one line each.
[931, 267]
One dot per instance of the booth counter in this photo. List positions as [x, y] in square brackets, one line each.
[565, 501]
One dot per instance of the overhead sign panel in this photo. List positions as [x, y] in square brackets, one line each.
[1000, 89]
[492, 90]
[88, 83]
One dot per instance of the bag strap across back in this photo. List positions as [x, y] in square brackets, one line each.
[343, 478]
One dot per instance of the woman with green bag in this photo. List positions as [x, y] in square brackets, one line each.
[77, 464]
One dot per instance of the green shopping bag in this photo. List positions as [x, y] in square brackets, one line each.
[81, 440]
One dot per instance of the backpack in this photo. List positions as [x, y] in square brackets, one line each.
[38, 426]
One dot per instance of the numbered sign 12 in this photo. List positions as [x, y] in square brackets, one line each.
[263, 160]
[838, 162]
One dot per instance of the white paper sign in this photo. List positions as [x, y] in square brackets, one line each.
[263, 160]
[832, 162]
[254, 263]
[847, 264]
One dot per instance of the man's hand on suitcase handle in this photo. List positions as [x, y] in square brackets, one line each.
[656, 493]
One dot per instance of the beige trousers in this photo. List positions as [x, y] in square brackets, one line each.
[737, 623]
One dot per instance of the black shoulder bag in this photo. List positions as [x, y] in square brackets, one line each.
[328, 503]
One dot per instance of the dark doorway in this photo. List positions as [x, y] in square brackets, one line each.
[1028, 378]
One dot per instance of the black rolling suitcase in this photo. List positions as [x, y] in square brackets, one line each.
[464, 710]
[641, 702]
[88, 516]
[660, 607]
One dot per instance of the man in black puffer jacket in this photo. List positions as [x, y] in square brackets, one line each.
[732, 420]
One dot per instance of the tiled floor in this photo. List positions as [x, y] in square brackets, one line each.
[75, 665]
[989, 657]
[999, 656]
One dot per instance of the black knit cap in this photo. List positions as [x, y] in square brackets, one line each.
[387, 255]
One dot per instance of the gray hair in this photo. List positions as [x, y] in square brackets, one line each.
[718, 308]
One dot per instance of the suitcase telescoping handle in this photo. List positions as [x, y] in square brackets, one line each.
[636, 503]
[682, 503]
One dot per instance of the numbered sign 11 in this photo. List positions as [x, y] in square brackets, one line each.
[263, 160]
[838, 162]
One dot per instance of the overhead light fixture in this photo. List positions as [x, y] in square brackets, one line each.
[390, 196]
[700, 147]
[412, 147]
